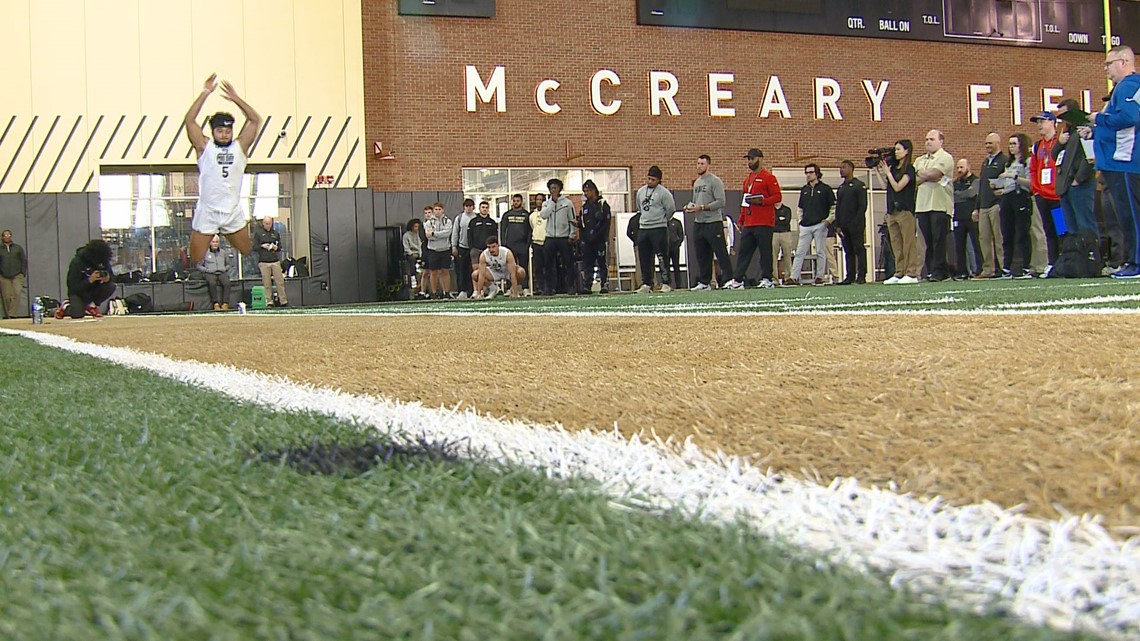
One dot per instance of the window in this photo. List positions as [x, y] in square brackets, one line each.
[498, 185]
[146, 215]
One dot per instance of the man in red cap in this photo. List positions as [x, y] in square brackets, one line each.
[757, 221]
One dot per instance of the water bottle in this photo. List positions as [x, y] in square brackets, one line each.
[241, 307]
[37, 311]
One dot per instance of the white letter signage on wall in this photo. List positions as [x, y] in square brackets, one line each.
[662, 89]
[977, 103]
[827, 93]
[718, 95]
[542, 99]
[495, 88]
[774, 99]
[600, 76]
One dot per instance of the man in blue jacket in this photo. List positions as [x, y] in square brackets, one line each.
[1116, 141]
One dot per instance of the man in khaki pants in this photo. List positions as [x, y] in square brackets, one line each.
[13, 270]
[268, 242]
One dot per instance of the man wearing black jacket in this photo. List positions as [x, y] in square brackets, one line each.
[816, 202]
[267, 240]
[479, 230]
[965, 229]
[514, 231]
[851, 223]
[88, 281]
[594, 237]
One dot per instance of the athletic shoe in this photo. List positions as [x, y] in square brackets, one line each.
[1128, 271]
[907, 280]
[665, 289]
[217, 307]
[644, 289]
[700, 287]
[734, 284]
[1048, 269]
[61, 311]
[462, 296]
[225, 306]
[764, 284]
[493, 290]
[1025, 275]
[1006, 274]
[526, 291]
[604, 290]
[93, 311]
[893, 280]
[819, 282]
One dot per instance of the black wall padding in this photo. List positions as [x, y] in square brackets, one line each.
[73, 229]
[452, 203]
[94, 226]
[343, 262]
[397, 208]
[44, 258]
[420, 199]
[365, 253]
[319, 237]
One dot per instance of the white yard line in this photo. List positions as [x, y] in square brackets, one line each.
[1068, 573]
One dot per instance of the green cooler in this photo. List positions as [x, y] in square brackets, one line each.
[257, 297]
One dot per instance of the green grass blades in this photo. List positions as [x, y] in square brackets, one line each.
[132, 507]
[990, 295]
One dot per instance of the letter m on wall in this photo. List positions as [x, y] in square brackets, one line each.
[494, 89]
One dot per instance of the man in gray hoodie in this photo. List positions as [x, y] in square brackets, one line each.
[656, 206]
[558, 212]
[461, 249]
[708, 234]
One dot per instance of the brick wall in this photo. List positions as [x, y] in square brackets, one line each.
[415, 92]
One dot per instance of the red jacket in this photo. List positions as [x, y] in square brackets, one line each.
[755, 214]
[1043, 165]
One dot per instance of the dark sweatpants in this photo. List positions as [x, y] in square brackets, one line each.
[935, 226]
[594, 256]
[750, 240]
[463, 271]
[557, 251]
[97, 294]
[966, 231]
[653, 244]
[1045, 209]
[1016, 208]
[708, 241]
[853, 239]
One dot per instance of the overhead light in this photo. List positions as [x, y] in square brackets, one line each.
[429, 1]
[656, 12]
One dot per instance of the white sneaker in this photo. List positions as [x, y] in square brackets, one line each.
[665, 289]
[526, 292]
[644, 289]
[700, 287]
[462, 296]
[734, 284]
[893, 280]
[1048, 269]
[493, 290]
[907, 280]
[764, 284]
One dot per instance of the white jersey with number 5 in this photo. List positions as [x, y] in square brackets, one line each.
[220, 170]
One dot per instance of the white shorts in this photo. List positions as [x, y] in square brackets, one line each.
[497, 276]
[212, 221]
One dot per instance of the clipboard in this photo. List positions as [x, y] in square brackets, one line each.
[1075, 117]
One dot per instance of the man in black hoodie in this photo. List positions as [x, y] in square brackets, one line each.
[851, 223]
[514, 231]
[88, 281]
[594, 237]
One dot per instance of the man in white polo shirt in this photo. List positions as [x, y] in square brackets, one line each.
[934, 199]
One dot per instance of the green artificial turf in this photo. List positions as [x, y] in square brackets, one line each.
[132, 507]
[992, 295]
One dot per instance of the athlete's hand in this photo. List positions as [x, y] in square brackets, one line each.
[229, 92]
[211, 83]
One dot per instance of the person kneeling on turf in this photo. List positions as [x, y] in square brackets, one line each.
[88, 281]
[496, 263]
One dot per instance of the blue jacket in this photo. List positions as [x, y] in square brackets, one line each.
[1115, 139]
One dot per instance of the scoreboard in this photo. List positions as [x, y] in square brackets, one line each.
[1075, 25]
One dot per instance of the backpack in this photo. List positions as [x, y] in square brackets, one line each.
[1080, 257]
[139, 303]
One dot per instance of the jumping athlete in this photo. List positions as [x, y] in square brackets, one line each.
[220, 168]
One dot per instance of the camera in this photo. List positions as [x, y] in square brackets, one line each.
[880, 154]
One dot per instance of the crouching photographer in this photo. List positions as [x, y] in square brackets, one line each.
[88, 281]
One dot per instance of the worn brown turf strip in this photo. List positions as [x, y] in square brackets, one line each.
[1041, 410]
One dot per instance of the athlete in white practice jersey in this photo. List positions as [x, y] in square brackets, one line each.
[221, 163]
[496, 263]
